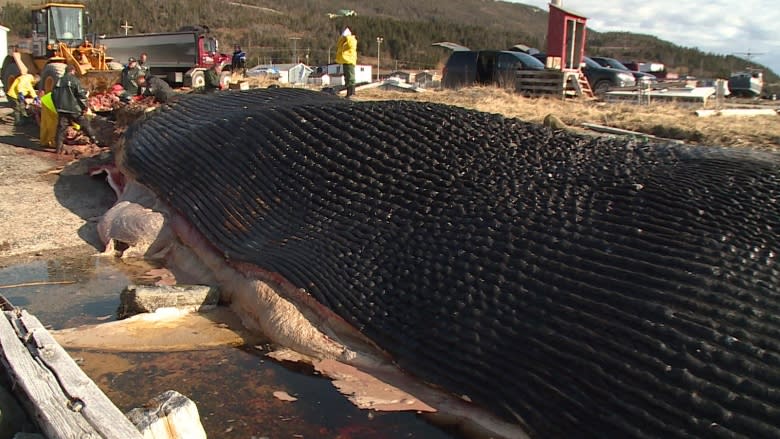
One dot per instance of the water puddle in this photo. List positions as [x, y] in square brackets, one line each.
[69, 292]
[232, 387]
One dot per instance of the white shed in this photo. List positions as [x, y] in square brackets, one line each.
[3, 51]
[362, 72]
[288, 73]
[319, 79]
[293, 73]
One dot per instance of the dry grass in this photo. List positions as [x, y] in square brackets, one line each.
[665, 120]
[256, 82]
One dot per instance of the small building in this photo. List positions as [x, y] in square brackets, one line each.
[407, 77]
[3, 50]
[362, 73]
[566, 32]
[425, 78]
[320, 79]
[288, 73]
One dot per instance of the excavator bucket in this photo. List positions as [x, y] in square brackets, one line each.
[100, 81]
[90, 67]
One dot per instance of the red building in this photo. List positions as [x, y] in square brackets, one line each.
[565, 38]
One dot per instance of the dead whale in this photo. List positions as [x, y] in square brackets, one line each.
[568, 285]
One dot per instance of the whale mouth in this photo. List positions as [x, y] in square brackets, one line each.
[564, 285]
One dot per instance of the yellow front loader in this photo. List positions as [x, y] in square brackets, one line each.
[59, 39]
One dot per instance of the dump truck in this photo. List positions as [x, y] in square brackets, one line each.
[181, 57]
[58, 40]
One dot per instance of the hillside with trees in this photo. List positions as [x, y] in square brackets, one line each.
[301, 30]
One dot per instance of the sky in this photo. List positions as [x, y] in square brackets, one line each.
[726, 27]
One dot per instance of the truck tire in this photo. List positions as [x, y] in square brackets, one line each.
[196, 80]
[601, 87]
[49, 76]
[9, 72]
[224, 79]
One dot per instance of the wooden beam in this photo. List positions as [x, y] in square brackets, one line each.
[622, 132]
[62, 399]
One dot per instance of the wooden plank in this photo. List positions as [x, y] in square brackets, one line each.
[538, 81]
[95, 406]
[620, 131]
[44, 399]
[551, 88]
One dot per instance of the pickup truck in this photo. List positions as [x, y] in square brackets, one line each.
[642, 78]
[601, 79]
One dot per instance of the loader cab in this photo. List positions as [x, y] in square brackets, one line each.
[57, 23]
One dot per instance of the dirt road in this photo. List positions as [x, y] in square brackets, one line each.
[42, 212]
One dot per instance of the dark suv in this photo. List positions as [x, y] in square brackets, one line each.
[486, 67]
[612, 63]
[601, 79]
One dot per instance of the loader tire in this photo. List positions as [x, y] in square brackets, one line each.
[9, 72]
[49, 76]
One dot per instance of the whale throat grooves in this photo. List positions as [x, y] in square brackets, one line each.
[585, 287]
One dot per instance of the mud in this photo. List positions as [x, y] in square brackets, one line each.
[34, 220]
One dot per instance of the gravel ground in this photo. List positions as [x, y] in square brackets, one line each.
[47, 205]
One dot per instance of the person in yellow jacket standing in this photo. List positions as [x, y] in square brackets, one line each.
[20, 90]
[346, 55]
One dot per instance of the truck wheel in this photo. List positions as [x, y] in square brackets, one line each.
[224, 79]
[49, 76]
[9, 72]
[196, 80]
[601, 87]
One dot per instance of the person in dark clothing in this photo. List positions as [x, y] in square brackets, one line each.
[212, 82]
[70, 100]
[143, 63]
[129, 77]
[154, 86]
[238, 64]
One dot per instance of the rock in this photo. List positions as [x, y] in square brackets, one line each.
[284, 396]
[137, 299]
[170, 415]
[554, 122]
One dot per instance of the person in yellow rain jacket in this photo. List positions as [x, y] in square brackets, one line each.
[21, 88]
[346, 55]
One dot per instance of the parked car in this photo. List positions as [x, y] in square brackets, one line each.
[601, 79]
[612, 63]
[486, 67]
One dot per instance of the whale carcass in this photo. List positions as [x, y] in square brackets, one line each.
[574, 286]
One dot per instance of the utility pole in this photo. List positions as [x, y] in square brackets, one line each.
[378, 48]
[295, 49]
